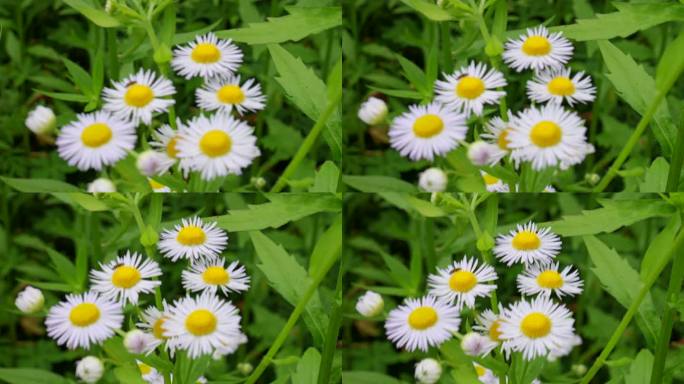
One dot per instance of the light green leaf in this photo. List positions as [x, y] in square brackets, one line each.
[671, 64]
[327, 249]
[655, 179]
[412, 203]
[39, 185]
[399, 273]
[300, 23]
[84, 200]
[80, 77]
[375, 184]
[463, 368]
[368, 377]
[430, 10]
[66, 96]
[13, 47]
[640, 369]
[97, 16]
[28, 375]
[401, 93]
[659, 246]
[638, 89]
[415, 75]
[307, 367]
[327, 178]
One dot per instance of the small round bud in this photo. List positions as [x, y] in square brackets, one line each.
[101, 185]
[245, 368]
[370, 304]
[89, 369]
[433, 180]
[428, 371]
[579, 369]
[592, 178]
[373, 111]
[258, 182]
[481, 153]
[41, 120]
[30, 300]
[474, 344]
[137, 341]
[152, 163]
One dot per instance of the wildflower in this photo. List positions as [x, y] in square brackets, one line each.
[545, 279]
[422, 323]
[153, 163]
[192, 239]
[89, 369]
[433, 180]
[470, 88]
[481, 153]
[537, 49]
[137, 342]
[30, 300]
[224, 94]
[41, 120]
[211, 274]
[428, 371]
[556, 85]
[527, 244]
[370, 304]
[462, 282]
[207, 56]
[373, 111]
[139, 96]
[101, 185]
[126, 277]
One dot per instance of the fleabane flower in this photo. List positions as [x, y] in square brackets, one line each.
[139, 96]
[422, 323]
[158, 187]
[470, 88]
[370, 304]
[201, 324]
[427, 131]
[493, 183]
[153, 323]
[433, 180]
[217, 145]
[226, 93]
[150, 374]
[548, 137]
[152, 163]
[462, 282]
[545, 279]
[126, 277]
[165, 139]
[428, 371]
[192, 239]
[527, 244]
[137, 342]
[41, 120]
[211, 274]
[535, 328]
[556, 85]
[475, 344]
[95, 140]
[30, 300]
[482, 153]
[496, 133]
[487, 323]
[83, 319]
[485, 375]
[101, 185]
[373, 111]
[89, 369]
[537, 49]
[207, 56]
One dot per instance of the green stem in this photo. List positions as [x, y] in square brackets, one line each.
[677, 160]
[472, 217]
[676, 277]
[149, 250]
[331, 336]
[633, 308]
[112, 54]
[307, 144]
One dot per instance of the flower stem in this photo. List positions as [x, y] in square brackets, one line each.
[677, 160]
[633, 308]
[472, 216]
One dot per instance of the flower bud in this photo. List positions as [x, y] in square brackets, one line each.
[433, 180]
[370, 304]
[152, 163]
[428, 371]
[30, 300]
[481, 153]
[101, 185]
[245, 368]
[41, 120]
[474, 344]
[592, 178]
[137, 341]
[373, 111]
[258, 182]
[89, 369]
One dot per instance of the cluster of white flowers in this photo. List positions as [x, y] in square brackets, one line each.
[200, 325]
[546, 136]
[535, 326]
[213, 145]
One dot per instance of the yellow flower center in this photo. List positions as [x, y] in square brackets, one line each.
[157, 329]
[502, 140]
[215, 275]
[215, 143]
[480, 371]
[550, 279]
[154, 185]
[546, 134]
[171, 150]
[489, 179]
[561, 86]
[84, 314]
[96, 135]
[470, 87]
[536, 46]
[428, 126]
[494, 332]
[144, 368]
[526, 241]
[206, 53]
[200, 322]
[138, 95]
[231, 94]
[536, 325]
[125, 276]
[191, 235]
[422, 318]
[462, 281]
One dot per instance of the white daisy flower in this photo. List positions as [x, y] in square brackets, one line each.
[494, 184]
[547, 137]
[192, 239]
[535, 328]
[433, 180]
[485, 375]
[224, 94]
[207, 56]
[555, 85]
[217, 146]
[462, 282]
[158, 187]
[89, 369]
[41, 120]
[166, 139]
[373, 111]
[487, 323]
[152, 322]
[83, 319]
[370, 304]
[545, 279]
[426, 131]
[496, 133]
[537, 49]
[422, 323]
[139, 96]
[125, 278]
[527, 244]
[201, 324]
[428, 371]
[210, 274]
[468, 89]
[95, 140]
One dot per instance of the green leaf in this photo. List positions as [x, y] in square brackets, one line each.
[659, 246]
[399, 273]
[13, 47]
[655, 179]
[66, 96]
[128, 373]
[401, 93]
[368, 377]
[671, 64]
[375, 184]
[415, 75]
[97, 16]
[638, 89]
[463, 368]
[411, 203]
[327, 178]
[327, 249]
[39, 185]
[282, 209]
[300, 23]
[629, 18]
[614, 214]
[290, 280]
[430, 10]
[307, 367]
[84, 200]
[640, 369]
[80, 77]
[28, 375]
[622, 282]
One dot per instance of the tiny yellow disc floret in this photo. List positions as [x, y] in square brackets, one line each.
[138, 95]
[84, 314]
[422, 318]
[502, 140]
[206, 53]
[125, 276]
[536, 325]
[536, 46]
[480, 371]
[489, 179]
[215, 275]
[550, 279]
[526, 241]
[171, 149]
[96, 135]
[157, 329]
[462, 281]
[215, 143]
[546, 134]
[191, 235]
[561, 86]
[144, 369]
[428, 126]
[470, 87]
[494, 332]
[201, 322]
[231, 94]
